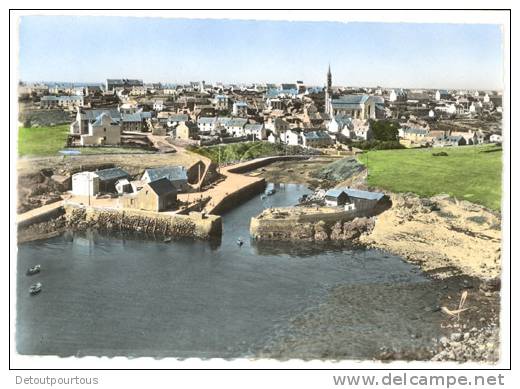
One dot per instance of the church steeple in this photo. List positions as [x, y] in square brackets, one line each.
[329, 79]
[328, 90]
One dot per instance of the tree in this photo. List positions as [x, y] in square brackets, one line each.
[385, 130]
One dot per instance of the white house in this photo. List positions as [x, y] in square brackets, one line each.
[235, 127]
[340, 123]
[277, 125]
[495, 138]
[257, 131]
[85, 184]
[221, 102]
[272, 138]
[158, 105]
[441, 94]
[206, 124]
[239, 108]
[291, 138]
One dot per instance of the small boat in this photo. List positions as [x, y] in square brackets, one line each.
[240, 242]
[167, 240]
[263, 197]
[33, 270]
[270, 192]
[35, 288]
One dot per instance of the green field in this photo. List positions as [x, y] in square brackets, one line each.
[47, 141]
[42, 141]
[472, 173]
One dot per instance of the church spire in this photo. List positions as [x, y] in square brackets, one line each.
[329, 79]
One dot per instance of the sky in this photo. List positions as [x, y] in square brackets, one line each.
[91, 49]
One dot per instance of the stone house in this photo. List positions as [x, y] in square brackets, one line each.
[156, 196]
[186, 130]
[177, 175]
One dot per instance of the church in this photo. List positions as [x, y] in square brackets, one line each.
[355, 106]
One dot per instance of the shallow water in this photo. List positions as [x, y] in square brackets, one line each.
[108, 295]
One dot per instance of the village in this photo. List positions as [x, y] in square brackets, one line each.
[219, 187]
[171, 118]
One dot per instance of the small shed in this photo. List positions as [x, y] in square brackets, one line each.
[364, 200]
[85, 184]
[336, 197]
[109, 177]
[158, 195]
[123, 186]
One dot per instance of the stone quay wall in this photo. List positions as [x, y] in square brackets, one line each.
[193, 225]
[337, 226]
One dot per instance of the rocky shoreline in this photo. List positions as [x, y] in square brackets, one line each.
[448, 239]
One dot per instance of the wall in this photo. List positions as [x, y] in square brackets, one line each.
[192, 225]
[255, 164]
[239, 196]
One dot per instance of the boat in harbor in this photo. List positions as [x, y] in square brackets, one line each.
[240, 242]
[35, 288]
[33, 270]
[270, 192]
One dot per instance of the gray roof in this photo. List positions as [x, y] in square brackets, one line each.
[334, 192]
[363, 194]
[237, 122]
[254, 127]
[136, 117]
[316, 135]
[351, 99]
[132, 117]
[179, 118]
[172, 173]
[112, 174]
[413, 130]
[206, 120]
[343, 120]
[162, 186]
[49, 98]
[92, 114]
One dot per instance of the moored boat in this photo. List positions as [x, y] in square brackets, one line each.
[33, 270]
[35, 288]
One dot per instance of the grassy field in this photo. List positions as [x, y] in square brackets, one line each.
[472, 173]
[42, 141]
[47, 141]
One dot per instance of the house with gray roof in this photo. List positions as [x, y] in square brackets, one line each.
[206, 124]
[155, 196]
[316, 139]
[97, 127]
[255, 131]
[235, 127]
[109, 177]
[239, 108]
[361, 200]
[177, 175]
[355, 106]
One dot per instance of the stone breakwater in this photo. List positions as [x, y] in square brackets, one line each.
[277, 224]
[193, 225]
